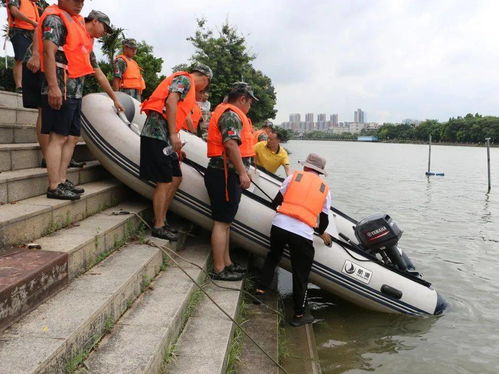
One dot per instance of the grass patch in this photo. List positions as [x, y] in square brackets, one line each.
[236, 343]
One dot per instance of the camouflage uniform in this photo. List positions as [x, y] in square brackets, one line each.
[55, 31]
[120, 66]
[230, 127]
[156, 126]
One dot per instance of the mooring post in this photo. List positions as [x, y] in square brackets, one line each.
[429, 155]
[488, 161]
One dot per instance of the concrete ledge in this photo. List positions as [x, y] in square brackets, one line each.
[11, 99]
[28, 155]
[23, 184]
[204, 343]
[11, 133]
[27, 278]
[19, 116]
[142, 336]
[38, 216]
[52, 337]
[95, 236]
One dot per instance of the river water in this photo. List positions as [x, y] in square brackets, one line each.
[451, 233]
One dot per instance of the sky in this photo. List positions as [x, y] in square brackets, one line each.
[394, 59]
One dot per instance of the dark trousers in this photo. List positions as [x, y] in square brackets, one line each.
[302, 256]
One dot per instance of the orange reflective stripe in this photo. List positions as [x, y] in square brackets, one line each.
[215, 141]
[132, 77]
[156, 101]
[29, 9]
[304, 197]
[78, 45]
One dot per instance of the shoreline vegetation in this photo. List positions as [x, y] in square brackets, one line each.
[470, 130]
[398, 141]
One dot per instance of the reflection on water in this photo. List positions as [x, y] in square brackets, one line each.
[451, 232]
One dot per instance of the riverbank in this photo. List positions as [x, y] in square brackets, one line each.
[398, 141]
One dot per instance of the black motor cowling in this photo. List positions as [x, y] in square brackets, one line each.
[379, 234]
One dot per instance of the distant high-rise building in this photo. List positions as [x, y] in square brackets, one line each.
[321, 117]
[295, 118]
[309, 117]
[334, 120]
[359, 116]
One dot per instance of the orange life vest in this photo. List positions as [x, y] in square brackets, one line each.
[132, 78]
[196, 116]
[157, 100]
[215, 141]
[257, 135]
[304, 197]
[78, 47]
[29, 9]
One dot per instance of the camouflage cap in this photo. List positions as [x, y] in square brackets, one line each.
[243, 87]
[203, 69]
[130, 43]
[101, 17]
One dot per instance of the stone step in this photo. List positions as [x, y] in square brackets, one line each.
[204, 344]
[17, 134]
[22, 184]
[55, 336]
[28, 155]
[141, 337]
[18, 116]
[11, 99]
[28, 277]
[38, 216]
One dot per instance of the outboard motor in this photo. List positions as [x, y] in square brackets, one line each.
[379, 234]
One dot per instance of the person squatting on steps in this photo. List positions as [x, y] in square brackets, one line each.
[160, 145]
[302, 200]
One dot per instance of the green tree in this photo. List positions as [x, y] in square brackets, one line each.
[227, 55]
[6, 77]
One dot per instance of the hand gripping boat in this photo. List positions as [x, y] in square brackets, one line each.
[363, 265]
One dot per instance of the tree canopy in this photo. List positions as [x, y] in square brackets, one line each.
[226, 53]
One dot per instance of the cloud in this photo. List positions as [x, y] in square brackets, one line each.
[394, 59]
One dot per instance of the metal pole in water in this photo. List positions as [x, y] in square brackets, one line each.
[488, 160]
[429, 154]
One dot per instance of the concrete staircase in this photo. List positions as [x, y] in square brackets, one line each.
[91, 296]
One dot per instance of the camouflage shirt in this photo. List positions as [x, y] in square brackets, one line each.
[55, 31]
[28, 34]
[230, 126]
[156, 126]
[119, 68]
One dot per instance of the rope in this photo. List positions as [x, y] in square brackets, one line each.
[168, 252]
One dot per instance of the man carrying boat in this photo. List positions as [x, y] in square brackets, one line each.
[230, 147]
[302, 200]
[127, 72]
[166, 110]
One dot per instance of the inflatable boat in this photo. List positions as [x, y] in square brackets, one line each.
[364, 265]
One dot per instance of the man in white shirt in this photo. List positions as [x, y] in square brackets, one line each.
[302, 201]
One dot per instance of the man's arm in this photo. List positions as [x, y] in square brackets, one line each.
[287, 170]
[171, 114]
[190, 124]
[232, 149]
[104, 83]
[116, 83]
[33, 63]
[17, 14]
[54, 92]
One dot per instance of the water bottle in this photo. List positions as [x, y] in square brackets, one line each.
[168, 150]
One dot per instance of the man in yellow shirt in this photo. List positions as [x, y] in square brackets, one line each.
[270, 155]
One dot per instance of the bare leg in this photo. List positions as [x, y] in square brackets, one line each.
[18, 73]
[174, 187]
[159, 198]
[67, 153]
[227, 259]
[219, 243]
[43, 139]
[53, 157]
